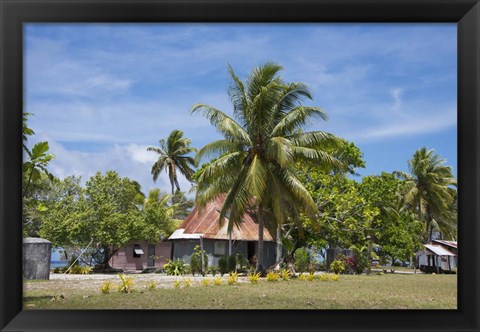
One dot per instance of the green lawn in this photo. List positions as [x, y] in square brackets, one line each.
[388, 291]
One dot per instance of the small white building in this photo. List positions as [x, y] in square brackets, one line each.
[437, 258]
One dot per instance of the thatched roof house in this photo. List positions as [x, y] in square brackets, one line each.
[203, 225]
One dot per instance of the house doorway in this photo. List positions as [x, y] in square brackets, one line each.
[151, 255]
[251, 251]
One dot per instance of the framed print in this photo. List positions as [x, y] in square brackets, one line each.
[110, 109]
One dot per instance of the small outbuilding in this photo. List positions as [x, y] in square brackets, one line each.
[202, 227]
[36, 258]
[438, 257]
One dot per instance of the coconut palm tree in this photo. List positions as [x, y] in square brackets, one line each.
[429, 190]
[261, 141]
[173, 156]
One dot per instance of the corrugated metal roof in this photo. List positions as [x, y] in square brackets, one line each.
[439, 250]
[205, 221]
[452, 244]
[180, 234]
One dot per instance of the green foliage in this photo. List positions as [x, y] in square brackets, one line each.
[242, 262]
[222, 265]
[261, 143]
[151, 285]
[196, 261]
[36, 164]
[254, 277]
[285, 275]
[206, 282]
[302, 276]
[334, 277]
[345, 218]
[302, 259]
[337, 266]
[106, 287]
[126, 285]
[187, 282]
[176, 267]
[273, 276]
[212, 270]
[157, 216]
[429, 192]
[232, 263]
[217, 281]
[183, 205]
[85, 269]
[232, 278]
[172, 157]
[109, 212]
[310, 276]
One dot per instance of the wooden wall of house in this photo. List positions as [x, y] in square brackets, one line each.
[183, 249]
[124, 257]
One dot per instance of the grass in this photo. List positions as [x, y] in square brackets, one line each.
[390, 291]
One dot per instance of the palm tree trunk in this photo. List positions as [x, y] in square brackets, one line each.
[261, 223]
[279, 248]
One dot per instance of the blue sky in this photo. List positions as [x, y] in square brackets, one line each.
[102, 93]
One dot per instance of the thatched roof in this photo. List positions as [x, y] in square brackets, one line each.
[205, 222]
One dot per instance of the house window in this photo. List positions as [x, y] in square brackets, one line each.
[220, 248]
[137, 251]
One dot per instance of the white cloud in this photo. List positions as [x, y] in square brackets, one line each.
[139, 153]
[129, 160]
[414, 125]
[397, 99]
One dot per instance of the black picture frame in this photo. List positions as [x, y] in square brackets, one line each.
[466, 13]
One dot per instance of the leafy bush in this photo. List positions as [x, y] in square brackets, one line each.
[206, 282]
[85, 269]
[285, 274]
[232, 263]
[187, 282]
[106, 287]
[56, 270]
[233, 278]
[310, 276]
[177, 284]
[196, 260]
[324, 277]
[127, 284]
[212, 270]
[334, 277]
[254, 277]
[75, 269]
[217, 281]
[222, 265]
[337, 266]
[356, 263]
[273, 276]
[175, 267]
[302, 276]
[301, 259]
[242, 263]
[152, 285]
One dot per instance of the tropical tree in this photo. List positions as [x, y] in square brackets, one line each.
[158, 216]
[430, 191]
[173, 156]
[262, 140]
